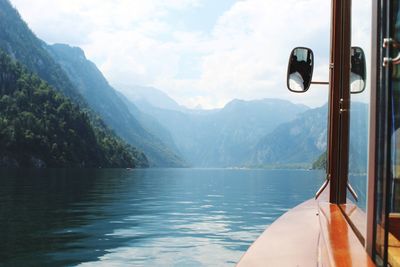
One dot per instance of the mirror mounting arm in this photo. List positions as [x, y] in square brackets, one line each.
[314, 82]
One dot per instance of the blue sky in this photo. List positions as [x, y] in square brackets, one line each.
[200, 52]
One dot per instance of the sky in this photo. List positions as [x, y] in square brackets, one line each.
[202, 53]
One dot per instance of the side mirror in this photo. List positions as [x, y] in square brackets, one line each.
[358, 73]
[300, 69]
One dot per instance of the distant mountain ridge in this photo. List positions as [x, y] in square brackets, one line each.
[147, 95]
[152, 125]
[298, 142]
[249, 133]
[224, 137]
[302, 142]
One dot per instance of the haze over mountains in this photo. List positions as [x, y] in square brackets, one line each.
[260, 133]
[223, 137]
[146, 125]
[150, 96]
[103, 99]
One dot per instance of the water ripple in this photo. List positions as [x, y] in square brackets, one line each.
[155, 217]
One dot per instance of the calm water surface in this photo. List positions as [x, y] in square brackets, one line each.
[154, 217]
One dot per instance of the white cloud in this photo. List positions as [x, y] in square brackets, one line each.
[243, 56]
[246, 54]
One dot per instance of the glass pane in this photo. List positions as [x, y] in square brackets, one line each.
[394, 176]
[382, 124]
[359, 108]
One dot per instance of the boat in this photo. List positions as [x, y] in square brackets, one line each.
[333, 229]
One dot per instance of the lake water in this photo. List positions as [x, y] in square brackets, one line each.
[153, 217]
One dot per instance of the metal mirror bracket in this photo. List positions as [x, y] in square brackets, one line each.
[315, 82]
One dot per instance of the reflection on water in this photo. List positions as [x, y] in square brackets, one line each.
[154, 217]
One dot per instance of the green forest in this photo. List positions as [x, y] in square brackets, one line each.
[39, 127]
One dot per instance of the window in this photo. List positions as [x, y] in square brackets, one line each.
[355, 207]
[387, 160]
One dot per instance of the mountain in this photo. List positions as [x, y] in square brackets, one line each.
[298, 142]
[151, 125]
[320, 163]
[302, 142]
[223, 137]
[145, 95]
[39, 127]
[17, 40]
[103, 99]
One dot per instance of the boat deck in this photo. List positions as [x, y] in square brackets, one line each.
[311, 234]
[292, 240]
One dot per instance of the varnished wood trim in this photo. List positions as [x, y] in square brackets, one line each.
[356, 218]
[342, 246]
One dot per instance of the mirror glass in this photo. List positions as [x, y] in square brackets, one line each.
[300, 69]
[357, 71]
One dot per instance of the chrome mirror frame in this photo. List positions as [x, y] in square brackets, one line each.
[290, 66]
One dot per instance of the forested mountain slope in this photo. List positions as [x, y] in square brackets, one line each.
[17, 40]
[39, 127]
